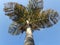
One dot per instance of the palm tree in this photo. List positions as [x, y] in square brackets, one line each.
[30, 18]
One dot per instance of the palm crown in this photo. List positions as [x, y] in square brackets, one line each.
[37, 17]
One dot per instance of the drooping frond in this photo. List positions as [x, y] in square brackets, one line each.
[45, 19]
[16, 12]
[14, 29]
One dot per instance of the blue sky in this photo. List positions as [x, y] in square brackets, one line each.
[47, 36]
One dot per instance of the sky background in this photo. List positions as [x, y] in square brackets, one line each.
[47, 36]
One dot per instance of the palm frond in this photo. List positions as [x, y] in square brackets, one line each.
[35, 5]
[14, 29]
[15, 11]
[45, 19]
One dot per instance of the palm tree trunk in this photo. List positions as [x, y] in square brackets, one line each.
[29, 37]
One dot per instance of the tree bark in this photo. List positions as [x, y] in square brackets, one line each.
[29, 37]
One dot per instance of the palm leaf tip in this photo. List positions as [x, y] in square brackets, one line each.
[36, 4]
[54, 16]
[9, 8]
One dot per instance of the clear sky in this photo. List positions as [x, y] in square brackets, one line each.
[48, 36]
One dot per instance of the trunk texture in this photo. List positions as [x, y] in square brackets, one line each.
[29, 37]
